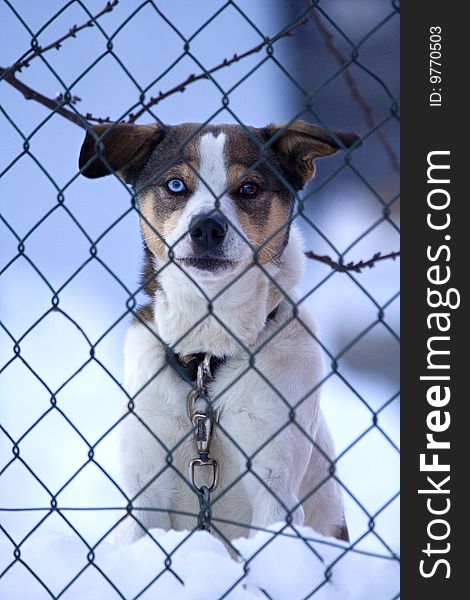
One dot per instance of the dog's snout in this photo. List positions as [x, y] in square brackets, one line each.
[208, 231]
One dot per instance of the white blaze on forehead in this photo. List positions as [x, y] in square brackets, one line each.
[212, 167]
[211, 189]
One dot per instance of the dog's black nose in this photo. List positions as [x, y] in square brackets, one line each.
[208, 231]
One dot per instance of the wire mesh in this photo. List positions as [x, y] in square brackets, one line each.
[18, 441]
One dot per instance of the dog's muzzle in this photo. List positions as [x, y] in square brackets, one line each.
[207, 233]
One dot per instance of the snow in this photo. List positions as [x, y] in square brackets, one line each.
[281, 565]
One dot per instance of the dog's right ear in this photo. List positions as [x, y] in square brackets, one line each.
[119, 148]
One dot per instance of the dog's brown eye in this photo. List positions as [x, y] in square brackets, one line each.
[249, 190]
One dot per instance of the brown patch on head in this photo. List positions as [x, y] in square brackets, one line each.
[264, 218]
[267, 230]
[152, 225]
[176, 158]
[159, 210]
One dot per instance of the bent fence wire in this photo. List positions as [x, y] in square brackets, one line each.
[345, 60]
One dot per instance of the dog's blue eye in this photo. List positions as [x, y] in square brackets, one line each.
[176, 186]
[248, 190]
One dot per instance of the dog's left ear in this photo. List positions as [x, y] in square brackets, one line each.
[119, 148]
[300, 143]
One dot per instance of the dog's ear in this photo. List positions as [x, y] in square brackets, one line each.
[299, 144]
[118, 148]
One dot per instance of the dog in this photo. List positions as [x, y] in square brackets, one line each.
[222, 261]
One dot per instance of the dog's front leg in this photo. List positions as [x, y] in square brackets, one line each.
[147, 480]
[274, 504]
[147, 509]
[273, 484]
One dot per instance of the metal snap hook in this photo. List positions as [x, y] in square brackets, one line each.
[190, 403]
[198, 462]
[203, 426]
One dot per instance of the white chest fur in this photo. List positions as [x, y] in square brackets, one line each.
[268, 416]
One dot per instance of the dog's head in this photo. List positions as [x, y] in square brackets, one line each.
[212, 198]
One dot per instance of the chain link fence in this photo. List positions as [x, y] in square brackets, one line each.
[69, 262]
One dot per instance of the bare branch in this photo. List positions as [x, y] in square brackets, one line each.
[225, 63]
[181, 87]
[51, 103]
[356, 267]
[329, 41]
[28, 56]
[56, 104]
[92, 119]
[62, 99]
[9, 74]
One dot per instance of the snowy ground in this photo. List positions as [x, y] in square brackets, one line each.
[282, 567]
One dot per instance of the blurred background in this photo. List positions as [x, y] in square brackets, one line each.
[57, 300]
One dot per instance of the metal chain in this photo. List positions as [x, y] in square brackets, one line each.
[203, 423]
[204, 516]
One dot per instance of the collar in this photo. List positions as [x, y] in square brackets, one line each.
[186, 366]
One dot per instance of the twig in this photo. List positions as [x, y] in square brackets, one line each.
[31, 94]
[328, 38]
[28, 56]
[356, 267]
[62, 99]
[56, 104]
[181, 87]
